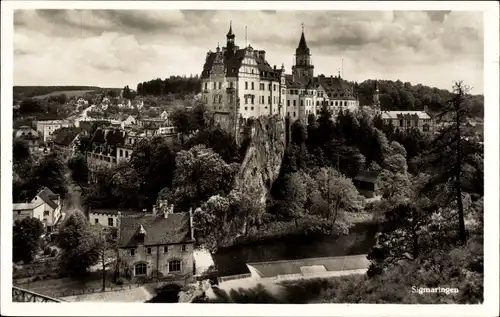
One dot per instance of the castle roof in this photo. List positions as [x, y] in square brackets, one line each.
[302, 42]
[405, 115]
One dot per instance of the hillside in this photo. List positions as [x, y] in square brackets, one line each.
[42, 92]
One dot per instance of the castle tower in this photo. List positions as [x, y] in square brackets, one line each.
[230, 39]
[303, 65]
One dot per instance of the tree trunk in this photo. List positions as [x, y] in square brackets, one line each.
[458, 169]
[103, 272]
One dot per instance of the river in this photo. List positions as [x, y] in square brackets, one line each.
[232, 260]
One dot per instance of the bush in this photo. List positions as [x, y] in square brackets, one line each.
[47, 251]
[119, 281]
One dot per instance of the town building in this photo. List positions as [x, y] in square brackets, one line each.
[407, 120]
[109, 146]
[108, 218]
[66, 141]
[158, 245]
[365, 182]
[47, 127]
[45, 206]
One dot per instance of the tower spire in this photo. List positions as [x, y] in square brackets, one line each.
[302, 42]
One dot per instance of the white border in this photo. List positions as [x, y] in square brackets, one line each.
[491, 92]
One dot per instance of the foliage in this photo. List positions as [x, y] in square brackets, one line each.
[172, 85]
[218, 140]
[79, 170]
[79, 244]
[200, 173]
[25, 239]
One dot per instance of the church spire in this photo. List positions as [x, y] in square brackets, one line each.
[302, 43]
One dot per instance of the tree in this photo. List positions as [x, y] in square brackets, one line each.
[79, 243]
[79, 171]
[295, 195]
[448, 153]
[20, 154]
[200, 174]
[48, 172]
[338, 192]
[298, 133]
[107, 244]
[154, 161]
[25, 239]
[218, 140]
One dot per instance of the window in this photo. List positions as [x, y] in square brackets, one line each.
[252, 82]
[165, 249]
[400, 123]
[246, 85]
[246, 100]
[96, 221]
[270, 87]
[149, 250]
[251, 108]
[253, 99]
[141, 269]
[294, 114]
[174, 266]
[132, 252]
[269, 99]
[261, 86]
[206, 86]
[246, 108]
[295, 103]
[274, 87]
[231, 84]
[121, 153]
[288, 103]
[220, 85]
[110, 222]
[215, 85]
[183, 248]
[126, 153]
[46, 213]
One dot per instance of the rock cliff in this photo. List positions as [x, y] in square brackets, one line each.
[262, 162]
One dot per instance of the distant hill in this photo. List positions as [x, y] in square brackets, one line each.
[42, 92]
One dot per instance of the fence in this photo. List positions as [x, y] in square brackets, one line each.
[233, 277]
[95, 290]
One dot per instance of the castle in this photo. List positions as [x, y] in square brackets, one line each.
[240, 83]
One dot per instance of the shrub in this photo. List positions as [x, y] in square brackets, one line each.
[47, 251]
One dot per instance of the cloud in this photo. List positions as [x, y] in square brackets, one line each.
[118, 47]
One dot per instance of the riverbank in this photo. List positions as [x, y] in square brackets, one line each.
[232, 260]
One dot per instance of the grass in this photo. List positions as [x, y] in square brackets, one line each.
[68, 93]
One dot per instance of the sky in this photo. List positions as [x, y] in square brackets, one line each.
[114, 48]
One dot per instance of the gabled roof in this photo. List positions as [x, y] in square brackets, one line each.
[48, 197]
[335, 87]
[65, 136]
[26, 206]
[159, 230]
[298, 82]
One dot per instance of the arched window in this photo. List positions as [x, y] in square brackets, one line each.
[174, 266]
[140, 269]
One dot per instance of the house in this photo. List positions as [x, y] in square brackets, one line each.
[405, 120]
[45, 206]
[47, 127]
[66, 140]
[102, 148]
[158, 245]
[365, 182]
[28, 210]
[131, 120]
[108, 218]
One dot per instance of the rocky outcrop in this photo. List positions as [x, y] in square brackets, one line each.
[262, 162]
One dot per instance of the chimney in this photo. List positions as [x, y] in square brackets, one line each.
[191, 227]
